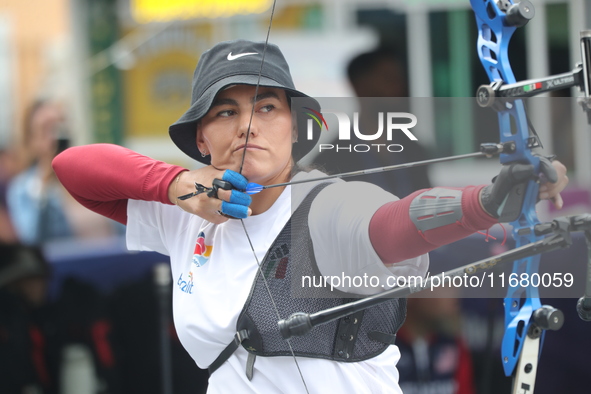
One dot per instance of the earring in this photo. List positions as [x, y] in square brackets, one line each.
[203, 154]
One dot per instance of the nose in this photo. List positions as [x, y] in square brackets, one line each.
[246, 125]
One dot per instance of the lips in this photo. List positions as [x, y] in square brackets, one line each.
[248, 147]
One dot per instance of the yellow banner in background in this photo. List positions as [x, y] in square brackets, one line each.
[146, 11]
[158, 87]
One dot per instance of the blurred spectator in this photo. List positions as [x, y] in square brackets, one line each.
[38, 206]
[379, 74]
[434, 358]
[50, 348]
[7, 171]
[35, 200]
[24, 359]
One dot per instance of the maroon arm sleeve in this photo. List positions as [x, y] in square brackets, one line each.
[102, 177]
[395, 237]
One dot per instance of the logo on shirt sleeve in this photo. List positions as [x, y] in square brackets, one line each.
[202, 251]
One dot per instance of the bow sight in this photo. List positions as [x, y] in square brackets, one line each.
[486, 95]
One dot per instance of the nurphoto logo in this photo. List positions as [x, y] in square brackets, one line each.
[388, 122]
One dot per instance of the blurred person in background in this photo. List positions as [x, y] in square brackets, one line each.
[379, 78]
[8, 167]
[49, 347]
[35, 199]
[24, 363]
[38, 206]
[434, 357]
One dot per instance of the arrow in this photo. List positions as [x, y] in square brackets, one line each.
[487, 150]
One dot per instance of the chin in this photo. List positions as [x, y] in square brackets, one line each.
[262, 170]
[262, 177]
[256, 176]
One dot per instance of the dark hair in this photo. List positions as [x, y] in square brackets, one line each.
[364, 63]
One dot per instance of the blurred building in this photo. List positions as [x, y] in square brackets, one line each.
[32, 34]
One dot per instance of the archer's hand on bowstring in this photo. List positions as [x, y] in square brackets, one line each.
[216, 207]
[552, 178]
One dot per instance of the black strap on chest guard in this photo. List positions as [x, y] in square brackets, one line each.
[354, 338]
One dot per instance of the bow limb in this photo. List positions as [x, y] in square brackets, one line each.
[275, 308]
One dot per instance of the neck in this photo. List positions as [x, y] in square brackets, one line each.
[262, 201]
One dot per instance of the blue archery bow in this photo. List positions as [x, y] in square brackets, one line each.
[496, 24]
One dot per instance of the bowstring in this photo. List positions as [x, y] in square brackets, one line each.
[260, 271]
[256, 90]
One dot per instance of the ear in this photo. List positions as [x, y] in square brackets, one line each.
[199, 138]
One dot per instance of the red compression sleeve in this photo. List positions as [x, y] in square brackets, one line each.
[102, 177]
[395, 237]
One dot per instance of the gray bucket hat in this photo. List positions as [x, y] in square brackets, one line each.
[239, 62]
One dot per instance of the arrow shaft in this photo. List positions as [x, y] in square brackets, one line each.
[381, 169]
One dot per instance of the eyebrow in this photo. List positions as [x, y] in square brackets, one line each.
[229, 101]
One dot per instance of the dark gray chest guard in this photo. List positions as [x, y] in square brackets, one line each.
[357, 337]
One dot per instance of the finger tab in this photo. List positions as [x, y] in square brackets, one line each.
[234, 210]
[236, 179]
[240, 198]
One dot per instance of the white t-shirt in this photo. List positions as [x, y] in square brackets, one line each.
[213, 269]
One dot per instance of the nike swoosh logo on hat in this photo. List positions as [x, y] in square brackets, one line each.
[232, 57]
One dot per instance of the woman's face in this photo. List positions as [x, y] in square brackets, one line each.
[222, 133]
[45, 124]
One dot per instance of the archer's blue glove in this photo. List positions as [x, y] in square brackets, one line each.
[237, 207]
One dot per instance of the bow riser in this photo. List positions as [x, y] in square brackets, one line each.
[495, 32]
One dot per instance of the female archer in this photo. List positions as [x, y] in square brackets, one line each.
[242, 272]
